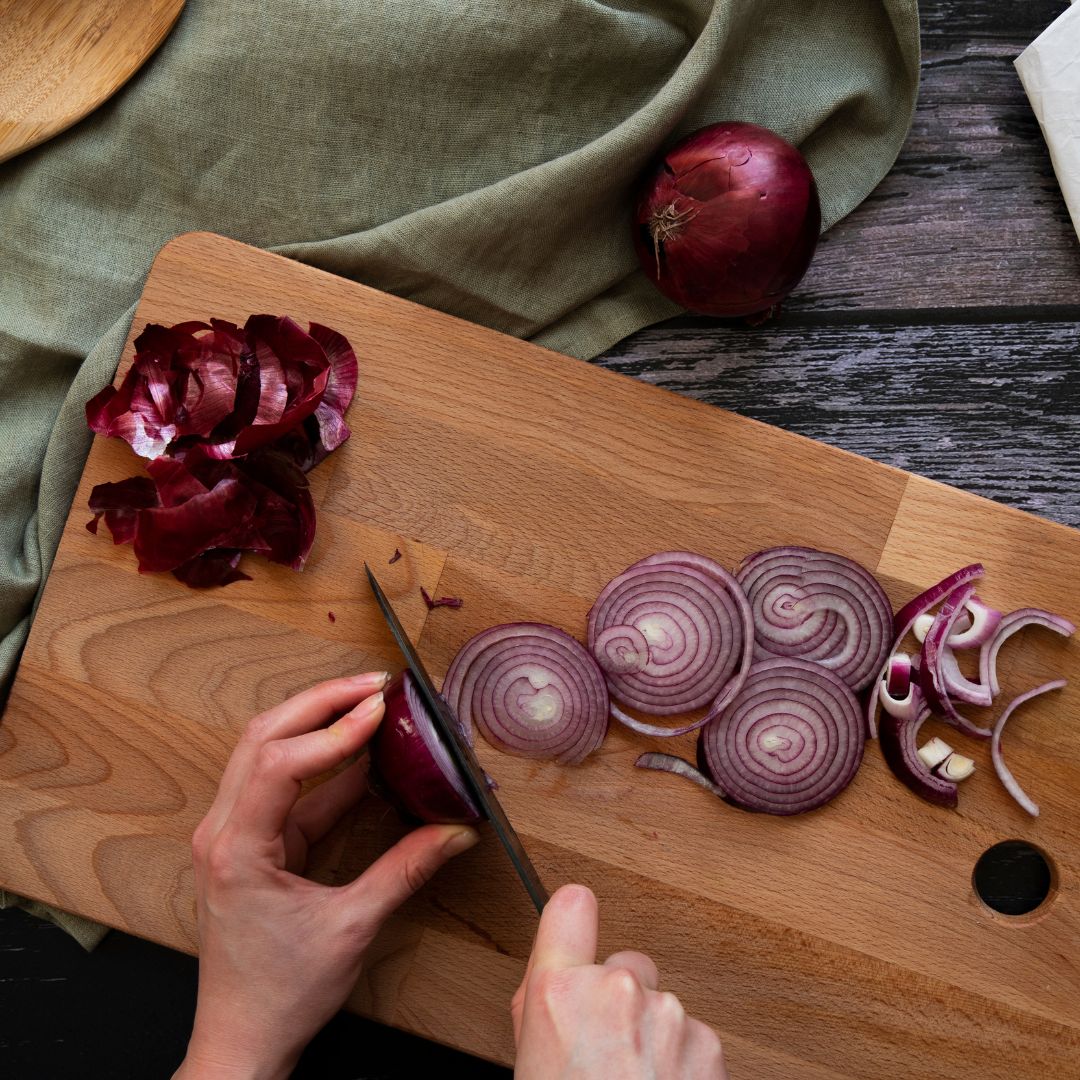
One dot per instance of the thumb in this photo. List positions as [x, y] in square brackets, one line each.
[406, 867]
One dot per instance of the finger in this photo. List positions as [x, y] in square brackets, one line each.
[273, 785]
[321, 809]
[566, 937]
[568, 931]
[404, 869]
[702, 1052]
[303, 712]
[317, 706]
[639, 965]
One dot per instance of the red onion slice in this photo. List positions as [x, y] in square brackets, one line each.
[931, 671]
[815, 605]
[696, 627]
[1009, 625]
[675, 765]
[923, 623]
[984, 621]
[900, 749]
[959, 686]
[791, 741]
[532, 690]
[898, 678]
[904, 620]
[1003, 771]
[907, 707]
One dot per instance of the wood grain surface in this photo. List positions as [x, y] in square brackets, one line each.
[987, 401]
[936, 327]
[60, 59]
[971, 214]
[846, 943]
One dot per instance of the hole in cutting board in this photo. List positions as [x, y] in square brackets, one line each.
[1013, 877]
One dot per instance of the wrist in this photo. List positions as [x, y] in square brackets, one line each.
[195, 1067]
[225, 1060]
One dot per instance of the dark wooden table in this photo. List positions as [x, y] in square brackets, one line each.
[936, 331]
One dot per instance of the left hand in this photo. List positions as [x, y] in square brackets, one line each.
[279, 954]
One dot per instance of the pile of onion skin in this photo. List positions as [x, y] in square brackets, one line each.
[780, 667]
[229, 421]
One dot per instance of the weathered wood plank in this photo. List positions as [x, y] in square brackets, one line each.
[992, 407]
[971, 214]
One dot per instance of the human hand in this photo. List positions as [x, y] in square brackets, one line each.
[575, 1018]
[278, 954]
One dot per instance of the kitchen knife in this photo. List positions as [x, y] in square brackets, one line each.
[462, 753]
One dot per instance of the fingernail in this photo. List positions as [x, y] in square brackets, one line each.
[368, 707]
[460, 841]
[372, 678]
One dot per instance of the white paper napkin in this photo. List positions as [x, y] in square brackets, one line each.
[1049, 68]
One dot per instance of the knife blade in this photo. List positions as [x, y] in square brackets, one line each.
[462, 754]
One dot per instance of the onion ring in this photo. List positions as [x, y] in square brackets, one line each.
[932, 670]
[791, 741]
[815, 605]
[532, 690]
[695, 625]
[1009, 625]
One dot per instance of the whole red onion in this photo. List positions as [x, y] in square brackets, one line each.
[727, 221]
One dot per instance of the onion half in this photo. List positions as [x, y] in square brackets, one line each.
[815, 605]
[791, 741]
[669, 632]
[532, 690]
[410, 766]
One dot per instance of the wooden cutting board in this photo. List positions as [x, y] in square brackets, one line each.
[847, 943]
[60, 59]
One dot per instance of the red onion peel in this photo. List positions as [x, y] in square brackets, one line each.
[442, 601]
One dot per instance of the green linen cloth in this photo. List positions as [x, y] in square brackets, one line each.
[473, 155]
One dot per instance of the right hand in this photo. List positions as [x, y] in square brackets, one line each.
[576, 1018]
